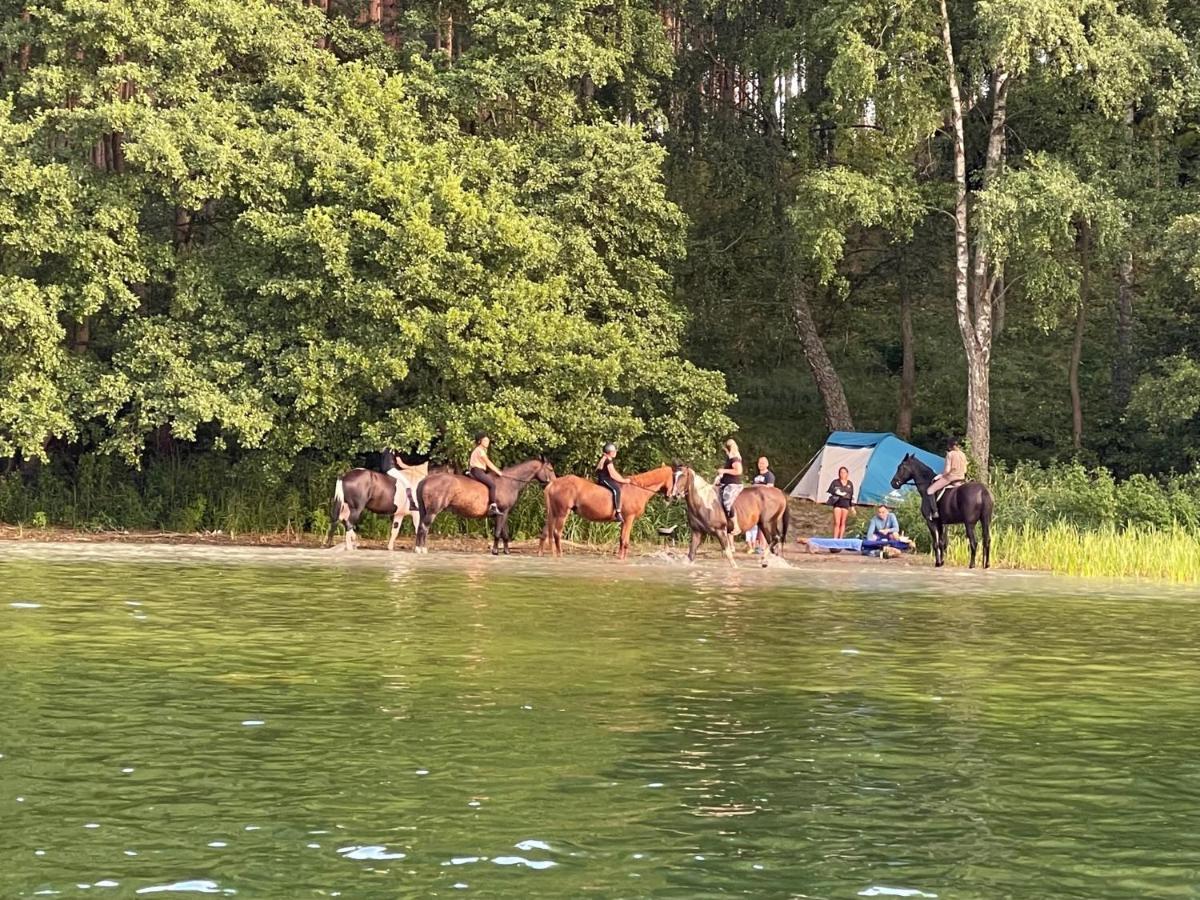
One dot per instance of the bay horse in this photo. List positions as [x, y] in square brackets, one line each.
[595, 503]
[362, 490]
[964, 505]
[763, 505]
[468, 498]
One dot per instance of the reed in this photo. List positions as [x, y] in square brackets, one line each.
[1164, 554]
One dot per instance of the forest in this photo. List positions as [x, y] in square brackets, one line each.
[251, 241]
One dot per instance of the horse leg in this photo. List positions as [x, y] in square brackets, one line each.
[623, 541]
[985, 526]
[422, 540]
[697, 537]
[941, 542]
[393, 531]
[504, 534]
[416, 520]
[496, 527]
[726, 539]
[970, 527]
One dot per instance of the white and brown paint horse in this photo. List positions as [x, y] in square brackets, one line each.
[362, 490]
[761, 505]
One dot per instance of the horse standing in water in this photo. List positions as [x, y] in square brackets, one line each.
[360, 490]
[468, 498]
[964, 505]
[761, 505]
[595, 503]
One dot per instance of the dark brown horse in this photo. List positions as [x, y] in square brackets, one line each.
[966, 505]
[362, 490]
[595, 503]
[468, 498]
[761, 505]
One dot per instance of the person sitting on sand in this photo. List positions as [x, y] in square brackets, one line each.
[884, 526]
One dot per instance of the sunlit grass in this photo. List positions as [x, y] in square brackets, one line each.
[1163, 554]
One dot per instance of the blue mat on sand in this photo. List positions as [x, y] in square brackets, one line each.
[836, 543]
[854, 545]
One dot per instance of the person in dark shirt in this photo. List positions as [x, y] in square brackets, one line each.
[841, 498]
[764, 475]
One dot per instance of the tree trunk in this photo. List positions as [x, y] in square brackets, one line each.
[829, 385]
[908, 369]
[1123, 373]
[975, 287]
[1077, 343]
[23, 54]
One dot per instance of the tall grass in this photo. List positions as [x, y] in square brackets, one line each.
[1164, 554]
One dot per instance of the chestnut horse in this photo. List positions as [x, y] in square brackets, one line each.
[362, 490]
[468, 498]
[595, 503]
[758, 504]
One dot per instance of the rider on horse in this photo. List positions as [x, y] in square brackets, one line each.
[727, 476]
[391, 463]
[608, 476]
[481, 469]
[954, 473]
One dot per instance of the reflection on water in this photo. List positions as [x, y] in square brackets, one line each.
[181, 721]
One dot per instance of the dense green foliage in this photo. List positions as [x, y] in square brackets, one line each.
[215, 230]
[249, 242]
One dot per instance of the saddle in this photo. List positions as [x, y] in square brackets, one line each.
[952, 486]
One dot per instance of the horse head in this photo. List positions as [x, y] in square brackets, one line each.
[904, 472]
[679, 484]
[545, 472]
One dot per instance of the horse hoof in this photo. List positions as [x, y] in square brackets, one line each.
[495, 552]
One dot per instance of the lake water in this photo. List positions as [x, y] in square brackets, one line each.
[181, 721]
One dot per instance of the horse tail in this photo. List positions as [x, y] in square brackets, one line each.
[787, 520]
[335, 510]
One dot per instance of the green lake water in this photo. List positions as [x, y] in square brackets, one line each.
[181, 721]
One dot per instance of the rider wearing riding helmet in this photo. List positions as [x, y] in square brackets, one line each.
[608, 476]
[482, 469]
[955, 472]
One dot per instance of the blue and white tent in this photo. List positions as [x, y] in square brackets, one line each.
[872, 459]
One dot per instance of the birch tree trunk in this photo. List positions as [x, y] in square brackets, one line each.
[975, 286]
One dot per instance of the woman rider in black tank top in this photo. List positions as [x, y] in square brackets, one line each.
[605, 478]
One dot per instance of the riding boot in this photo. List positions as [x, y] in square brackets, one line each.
[617, 517]
[929, 507]
[493, 510]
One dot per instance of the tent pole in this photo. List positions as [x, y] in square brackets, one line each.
[787, 490]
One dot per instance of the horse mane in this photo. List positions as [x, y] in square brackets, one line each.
[919, 467]
[705, 491]
[641, 477]
[523, 464]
